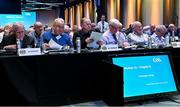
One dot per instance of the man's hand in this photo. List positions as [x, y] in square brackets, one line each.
[10, 47]
[89, 40]
[46, 46]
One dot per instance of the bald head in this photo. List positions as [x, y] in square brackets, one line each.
[38, 27]
[38, 24]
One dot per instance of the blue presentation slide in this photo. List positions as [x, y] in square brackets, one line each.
[27, 18]
[145, 75]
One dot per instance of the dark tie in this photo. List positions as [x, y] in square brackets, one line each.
[21, 44]
[103, 26]
[115, 39]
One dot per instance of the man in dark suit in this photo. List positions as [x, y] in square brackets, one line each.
[9, 42]
[84, 33]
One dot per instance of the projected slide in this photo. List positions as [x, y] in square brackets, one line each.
[144, 75]
[27, 18]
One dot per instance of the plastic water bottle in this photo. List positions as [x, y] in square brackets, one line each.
[167, 40]
[149, 42]
[173, 37]
[18, 43]
[78, 45]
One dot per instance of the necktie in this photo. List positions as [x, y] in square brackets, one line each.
[103, 26]
[21, 43]
[115, 39]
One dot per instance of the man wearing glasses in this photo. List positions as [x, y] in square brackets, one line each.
[57, 34]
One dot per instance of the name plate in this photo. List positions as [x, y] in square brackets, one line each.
[175, 44]
[110, 47]
[29, 51]
[176, 38]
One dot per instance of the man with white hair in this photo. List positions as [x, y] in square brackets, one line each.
[137, 37]
[172, 30]
[113, 36]
[157, 37]
[57, 34]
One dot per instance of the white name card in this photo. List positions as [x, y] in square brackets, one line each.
[110, 47]
[175, 44]
[29, 51]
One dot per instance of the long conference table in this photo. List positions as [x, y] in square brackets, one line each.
[63, 79]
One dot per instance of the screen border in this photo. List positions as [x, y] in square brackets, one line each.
[149, 96]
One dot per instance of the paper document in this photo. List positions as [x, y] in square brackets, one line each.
[1, 36]
[54, 45]
[96, 36]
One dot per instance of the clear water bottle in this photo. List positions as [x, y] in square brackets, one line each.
[78, 45]
[18, 43]
[149, 42]
[173, 37]
[167, 40]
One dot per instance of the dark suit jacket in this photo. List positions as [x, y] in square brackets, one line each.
[11, 40]
[83, 37]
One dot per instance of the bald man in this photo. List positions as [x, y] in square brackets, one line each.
[37, 34]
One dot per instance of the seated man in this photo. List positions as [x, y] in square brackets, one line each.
[157, 37]
[172, 30]
[37, 34]
[113, 35]
[18, 32]
[137, 37]
[56, 34]
[84, 33]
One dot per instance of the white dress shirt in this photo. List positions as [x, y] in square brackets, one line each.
[135, 39]
[109, 39]
[100, 26]
[158, 40]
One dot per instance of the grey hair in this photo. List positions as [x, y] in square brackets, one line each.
[115, 22]
[160, 28]
[58, 21]
[16, 25]
[136, 23]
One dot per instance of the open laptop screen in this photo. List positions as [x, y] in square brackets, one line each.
[146, 74]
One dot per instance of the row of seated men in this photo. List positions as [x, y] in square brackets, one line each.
[113, 35]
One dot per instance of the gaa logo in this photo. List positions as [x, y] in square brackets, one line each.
[22, 52]
[157, 60]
